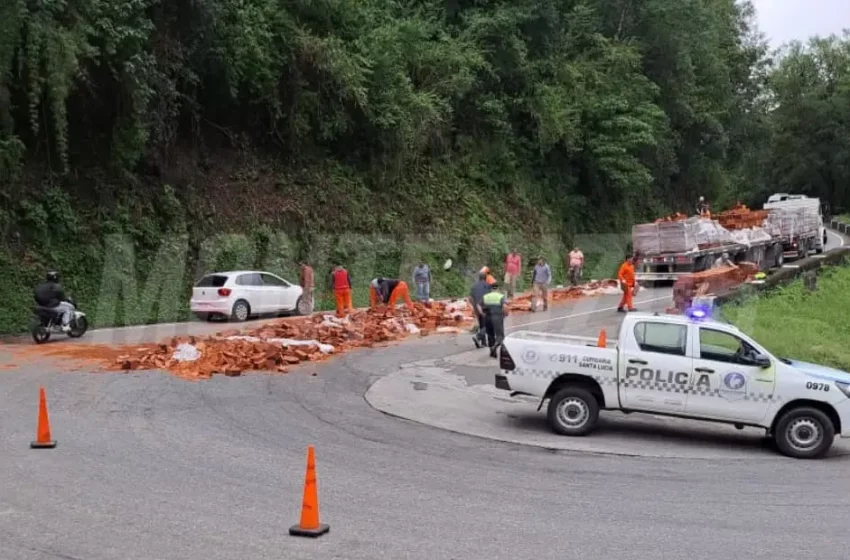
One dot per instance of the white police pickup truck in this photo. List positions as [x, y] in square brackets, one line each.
[687, 366]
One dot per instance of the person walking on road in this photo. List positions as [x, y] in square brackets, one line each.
[388, 291]
[513, 266]
[494, 308]
[422, 281]
[576, 262]
[626, 276]
[476, 294]
[341, 287]
[540, 279]
[307, 282]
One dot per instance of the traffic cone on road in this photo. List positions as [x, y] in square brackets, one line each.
[42, 437]
[309, 525]
[602, 341]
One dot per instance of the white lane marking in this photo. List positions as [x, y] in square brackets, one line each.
[669, 297]
[838, 237]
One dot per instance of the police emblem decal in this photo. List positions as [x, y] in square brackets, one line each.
[530, 356]
[734, 386]
[734, 381]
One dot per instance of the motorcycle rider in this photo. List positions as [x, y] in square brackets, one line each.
[50, 294]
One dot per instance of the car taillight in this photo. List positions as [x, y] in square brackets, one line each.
[224, 292]
[505, 360]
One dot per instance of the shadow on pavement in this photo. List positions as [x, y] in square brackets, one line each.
[652, 432]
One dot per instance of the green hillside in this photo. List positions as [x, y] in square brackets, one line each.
[144, 142]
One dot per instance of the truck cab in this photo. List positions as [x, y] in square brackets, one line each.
[687, 366]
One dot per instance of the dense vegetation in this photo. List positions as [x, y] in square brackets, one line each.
[812, 322]
[492, 122]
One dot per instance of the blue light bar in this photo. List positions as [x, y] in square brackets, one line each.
[698, 312]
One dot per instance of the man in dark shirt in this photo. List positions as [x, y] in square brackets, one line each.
[476, 294]
[50, 294]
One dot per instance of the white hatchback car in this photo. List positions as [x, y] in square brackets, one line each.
[243, 293]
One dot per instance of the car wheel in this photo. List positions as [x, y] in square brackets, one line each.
[804, 433]
[573, 411]
[303, 307]
[241, 311]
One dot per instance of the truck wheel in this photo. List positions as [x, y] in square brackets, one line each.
[804, 433]
[573, 412]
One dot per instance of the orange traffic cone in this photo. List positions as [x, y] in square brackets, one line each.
[309, 525]
[43, 440]
[602, 341]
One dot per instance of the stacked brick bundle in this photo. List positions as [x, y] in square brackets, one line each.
[741, 217]
[677, 217]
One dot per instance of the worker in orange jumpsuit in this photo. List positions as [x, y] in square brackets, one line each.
[626, 276]
[341, 286]
[388, 291]
[489, 278]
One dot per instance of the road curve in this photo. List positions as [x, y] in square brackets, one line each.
[151, 467]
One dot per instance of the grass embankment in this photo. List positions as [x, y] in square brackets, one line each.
[794, 323]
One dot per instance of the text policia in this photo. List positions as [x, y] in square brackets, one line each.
[650, 375]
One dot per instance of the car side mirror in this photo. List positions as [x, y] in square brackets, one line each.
[761, 361]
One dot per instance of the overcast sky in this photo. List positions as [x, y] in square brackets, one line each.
[786, 20]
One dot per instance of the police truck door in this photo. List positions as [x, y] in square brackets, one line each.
[726, 384]
[654, 367]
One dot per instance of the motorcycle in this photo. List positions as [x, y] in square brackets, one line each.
[48, 321]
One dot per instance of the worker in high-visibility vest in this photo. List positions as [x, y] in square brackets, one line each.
[494, 307]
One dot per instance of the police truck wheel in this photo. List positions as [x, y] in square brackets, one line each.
[804, 433]
[573, 411]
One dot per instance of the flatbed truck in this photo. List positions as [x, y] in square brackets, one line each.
[766, 254]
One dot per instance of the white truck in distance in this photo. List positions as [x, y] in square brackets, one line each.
[811, 232]
[680, 366]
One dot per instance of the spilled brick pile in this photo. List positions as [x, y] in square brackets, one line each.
[715, 281]
[522, 302]
[280, 345]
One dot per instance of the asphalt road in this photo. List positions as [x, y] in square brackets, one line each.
[151, 467]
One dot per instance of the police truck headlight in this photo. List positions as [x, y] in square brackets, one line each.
[844, 388]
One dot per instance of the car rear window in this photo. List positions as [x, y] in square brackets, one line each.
[212, 281]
